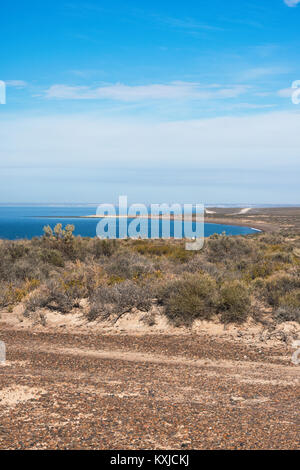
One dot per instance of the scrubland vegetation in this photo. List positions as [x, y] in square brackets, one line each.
[231, 279]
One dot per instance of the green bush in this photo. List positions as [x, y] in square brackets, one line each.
[234, 302]
[53, 257]
[283, 314]
[292, 299]
[259, 269]
[193, 297]
[100, 248]
[289, 307]
[277, 286]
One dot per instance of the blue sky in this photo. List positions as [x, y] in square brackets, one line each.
[163, 101]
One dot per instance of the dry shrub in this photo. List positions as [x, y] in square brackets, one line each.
[11, 294]
[174, 252]
[39, 299]
[64, 289]
[190, 298]
[129, 266]
[53, 257]
[17, 250]
[283, 314]
[30, 267]
[69, 268]
[221, 247]
[280, 257]
[198, 264]
[99, 248]
[235, 302]
[52, 297]
[119, 299]
[292, 299]
[79, 279]
[4, 295]
[149, 319]
[74, 282]
[277, 286]
[289, 307]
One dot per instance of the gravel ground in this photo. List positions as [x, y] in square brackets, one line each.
[101, 391]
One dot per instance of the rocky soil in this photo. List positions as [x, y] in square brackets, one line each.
[66, 387]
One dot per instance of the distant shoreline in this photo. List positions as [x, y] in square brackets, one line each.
[211, 220]
[272, 219]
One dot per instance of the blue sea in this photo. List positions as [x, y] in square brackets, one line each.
[17, 222]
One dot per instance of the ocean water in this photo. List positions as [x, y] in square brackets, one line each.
[18, 222]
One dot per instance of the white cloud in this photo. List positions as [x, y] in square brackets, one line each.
[16, 83]
[89, 141]
[285, 93]
[252, 106]
[291, 3]
[187, 24]
[125, 93]
[260, 72]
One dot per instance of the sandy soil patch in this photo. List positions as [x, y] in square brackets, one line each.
[12, 396]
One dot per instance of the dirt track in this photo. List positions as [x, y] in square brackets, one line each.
[145, 392]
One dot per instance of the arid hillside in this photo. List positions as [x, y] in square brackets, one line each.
[143, 345]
